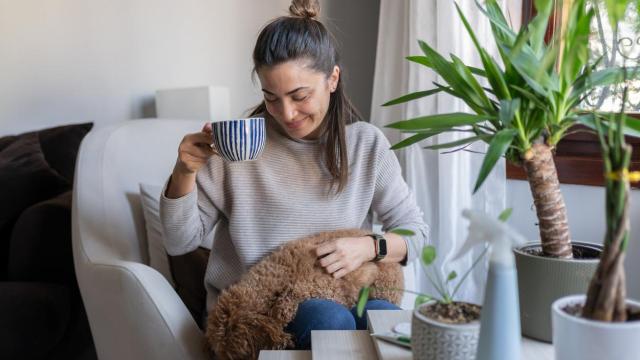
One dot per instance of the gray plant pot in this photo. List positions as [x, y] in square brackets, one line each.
[433, 340]
[543, 280]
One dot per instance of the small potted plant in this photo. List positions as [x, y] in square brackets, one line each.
[441, 327]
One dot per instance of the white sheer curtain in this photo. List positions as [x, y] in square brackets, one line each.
[441, 182]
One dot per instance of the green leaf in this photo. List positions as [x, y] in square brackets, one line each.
[421, 299]
[631, 125]
[423, 60]
[498, 146]
[403, 232]
[472, 83]
[605, 77]
[537, 27]
[428, 255]
[458, 142]
[452, 275]
[505, 214]
[415, 138]
[531, 97]
[363, 296]
[508, 109]
[412, 96]
[439, 121]
[495, 76]
[452, 74]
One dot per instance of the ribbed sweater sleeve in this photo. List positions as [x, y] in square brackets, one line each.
[394, 202]
[186, 220]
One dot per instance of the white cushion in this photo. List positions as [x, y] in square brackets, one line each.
[158, 258]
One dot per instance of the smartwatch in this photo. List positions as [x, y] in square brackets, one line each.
[381, 246]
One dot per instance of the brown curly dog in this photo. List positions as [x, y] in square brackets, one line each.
[251, 315]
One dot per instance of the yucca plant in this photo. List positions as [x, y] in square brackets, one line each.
[522, 106]
[606, 296]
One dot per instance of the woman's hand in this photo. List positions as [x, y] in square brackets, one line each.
[193, 153]
[343, 255]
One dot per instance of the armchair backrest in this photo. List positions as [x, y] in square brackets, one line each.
[113, 161]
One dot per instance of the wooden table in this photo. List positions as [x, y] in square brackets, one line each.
[356, 345]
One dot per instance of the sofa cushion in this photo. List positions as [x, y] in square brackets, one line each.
[25, 179]
[184, 272]
[40, 245]
[60, 147]
[34, 318]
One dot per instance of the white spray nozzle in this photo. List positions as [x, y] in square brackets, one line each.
[486, 230]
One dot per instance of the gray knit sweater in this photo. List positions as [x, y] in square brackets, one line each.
[284, 195]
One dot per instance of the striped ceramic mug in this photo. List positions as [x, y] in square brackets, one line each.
[239, 139]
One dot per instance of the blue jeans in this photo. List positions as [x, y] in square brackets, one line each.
[321, 314]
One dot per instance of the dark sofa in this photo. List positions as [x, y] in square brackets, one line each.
[41, 311]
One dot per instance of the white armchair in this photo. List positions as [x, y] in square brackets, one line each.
[133, 311]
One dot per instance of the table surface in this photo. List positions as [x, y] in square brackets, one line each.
[356, 345]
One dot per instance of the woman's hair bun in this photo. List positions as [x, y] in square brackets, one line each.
[305, 8]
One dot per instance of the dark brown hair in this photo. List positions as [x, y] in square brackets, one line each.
[301, 36]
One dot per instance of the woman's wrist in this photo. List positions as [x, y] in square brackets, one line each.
[369, 247]
[180, 184]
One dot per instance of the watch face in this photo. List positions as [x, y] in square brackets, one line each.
[382, 247]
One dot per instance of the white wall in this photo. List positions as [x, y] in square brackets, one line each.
[67, 61]
[585, 209]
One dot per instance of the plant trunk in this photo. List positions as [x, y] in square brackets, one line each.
[607, 291]
[550, 208]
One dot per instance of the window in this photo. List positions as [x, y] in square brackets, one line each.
[577, 157]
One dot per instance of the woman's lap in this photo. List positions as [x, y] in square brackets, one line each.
[322, 314]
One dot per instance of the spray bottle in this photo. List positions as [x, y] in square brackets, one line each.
[500, 337]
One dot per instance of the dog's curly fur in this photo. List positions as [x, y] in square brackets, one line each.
[251, 315]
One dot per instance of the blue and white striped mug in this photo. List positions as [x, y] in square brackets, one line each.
[239, 139]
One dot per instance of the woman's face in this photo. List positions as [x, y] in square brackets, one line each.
[297, 97]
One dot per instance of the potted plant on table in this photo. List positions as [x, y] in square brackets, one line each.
[529, 105]
[604, 316]
[441, 327]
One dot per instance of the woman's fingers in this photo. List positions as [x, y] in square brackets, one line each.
[207, 128]
[334, 267]
[329, 259]
[340, 273]
[326, 248]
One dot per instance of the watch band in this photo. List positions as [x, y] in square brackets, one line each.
[380, 244]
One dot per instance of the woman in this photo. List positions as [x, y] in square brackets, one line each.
[321, 170]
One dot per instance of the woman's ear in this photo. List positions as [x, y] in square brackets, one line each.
[334, 78]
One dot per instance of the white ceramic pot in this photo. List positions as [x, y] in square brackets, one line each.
[433, 340]
[583, 339]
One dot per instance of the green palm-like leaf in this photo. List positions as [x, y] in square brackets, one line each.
[498, 146]
[605, 77]
[423, 60]
[453, 76]
[508, 109]
[458, 142]
[631, 125]
[415, 138]
[412, 96]
[452, 275]
[438, 121]
[537, 27]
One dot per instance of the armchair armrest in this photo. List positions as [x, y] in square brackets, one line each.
[134, 312]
